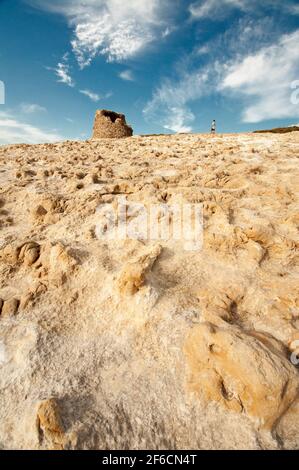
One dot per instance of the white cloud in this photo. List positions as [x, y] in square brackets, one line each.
[167, 31]
[127, 75]
[294, 9]
[202, 50]
[62, 72]
[169, 104]
[28, 108]
[213, 8]
[178, 119]
[264, 80]
[265, 83]
[93, 96]
[13, 131]
[113, 28]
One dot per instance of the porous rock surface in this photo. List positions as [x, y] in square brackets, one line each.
[109, 343]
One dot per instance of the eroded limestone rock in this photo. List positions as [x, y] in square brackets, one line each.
[133, 275]
[237, 370]
[50, 425]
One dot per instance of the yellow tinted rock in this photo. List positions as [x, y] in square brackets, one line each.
[239, 372]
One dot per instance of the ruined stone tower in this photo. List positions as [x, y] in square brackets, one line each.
[110, 125]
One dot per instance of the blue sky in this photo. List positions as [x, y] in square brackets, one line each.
[169, 65]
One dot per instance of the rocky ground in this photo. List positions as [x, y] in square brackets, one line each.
[144, 344]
